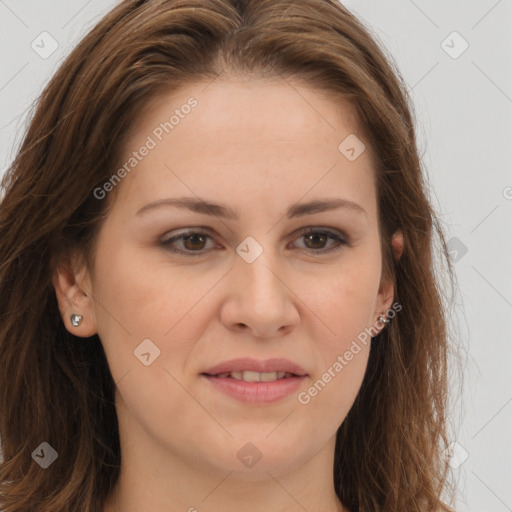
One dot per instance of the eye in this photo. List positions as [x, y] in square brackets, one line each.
[316, 240]
[195, 243]
[192, 243]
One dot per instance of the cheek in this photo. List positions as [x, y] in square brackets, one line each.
[342, 355]
[344, 299]
[344, 306]
[335, 389]
[139, 298]
[143, 295]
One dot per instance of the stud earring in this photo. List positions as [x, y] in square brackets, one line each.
[76, 320]
[383, 320]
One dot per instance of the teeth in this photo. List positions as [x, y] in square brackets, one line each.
[249, 376]
[254, 376]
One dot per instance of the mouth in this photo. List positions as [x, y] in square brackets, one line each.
[254, 370]
[255, 387]
[251, 376]
[256, 381]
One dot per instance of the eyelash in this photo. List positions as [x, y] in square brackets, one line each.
[340, 242]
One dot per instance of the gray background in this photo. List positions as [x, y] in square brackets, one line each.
[464, 112]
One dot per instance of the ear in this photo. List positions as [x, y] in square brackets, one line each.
[72, 285]
[386, 291]
[397, 241]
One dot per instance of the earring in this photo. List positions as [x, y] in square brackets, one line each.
[383, 320]
[76, 320]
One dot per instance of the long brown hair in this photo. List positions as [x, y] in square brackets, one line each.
[58, 389]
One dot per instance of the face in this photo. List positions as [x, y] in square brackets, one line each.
[178, 288]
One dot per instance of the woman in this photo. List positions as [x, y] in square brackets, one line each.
[215, 272]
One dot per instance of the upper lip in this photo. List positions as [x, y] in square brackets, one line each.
[254, 365]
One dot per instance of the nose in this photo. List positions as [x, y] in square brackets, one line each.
[259, 301]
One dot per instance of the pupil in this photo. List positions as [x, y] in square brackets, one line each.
[193, 238]
[316, 236]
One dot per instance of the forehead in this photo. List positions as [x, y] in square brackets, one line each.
[261, 106]
[257, 137]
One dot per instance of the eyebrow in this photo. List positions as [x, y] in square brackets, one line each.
[210, 208]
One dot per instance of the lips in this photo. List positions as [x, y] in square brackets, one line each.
[253, 365]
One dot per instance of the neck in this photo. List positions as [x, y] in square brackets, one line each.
[156, 479]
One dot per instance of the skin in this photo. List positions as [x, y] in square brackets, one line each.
[258, 147]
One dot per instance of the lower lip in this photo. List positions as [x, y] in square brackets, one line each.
[256, 392]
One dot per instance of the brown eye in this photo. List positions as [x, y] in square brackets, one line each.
[316, 241]
[191, 243]
[194, 242]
